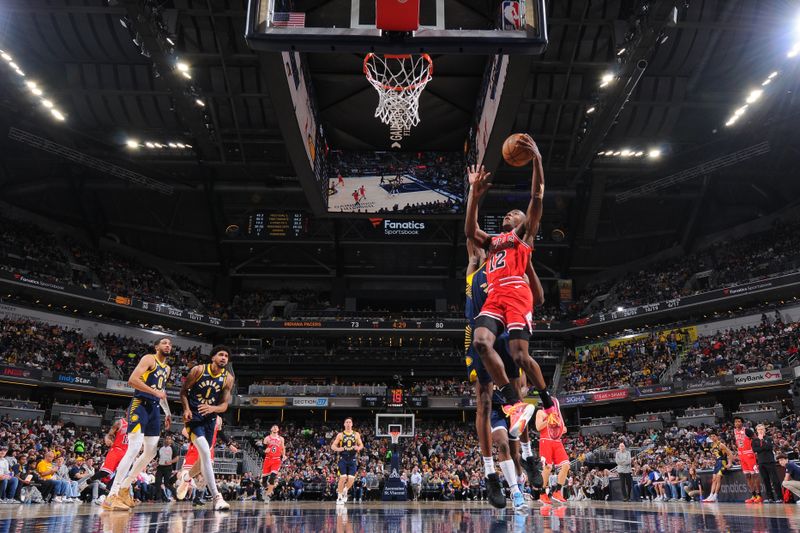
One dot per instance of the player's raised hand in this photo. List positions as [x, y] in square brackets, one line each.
[526, 141]
[478, 179]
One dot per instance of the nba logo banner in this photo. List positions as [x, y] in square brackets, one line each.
[512, 15]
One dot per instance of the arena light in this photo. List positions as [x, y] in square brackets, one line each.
[47, 103]
[621, 51]
[58, 114]
[590, 110]
[181, 66]
[134, 144]
[7, 57]
[170, 41]
[794, 51]
[620, 309]
[754, 95]
[606, 79]
[629, 152]
[186, 75]
[200, 102]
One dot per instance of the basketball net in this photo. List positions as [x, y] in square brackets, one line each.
[395, 435]
[399, 81]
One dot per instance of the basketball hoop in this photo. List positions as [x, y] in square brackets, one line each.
[399, 80]
[394, 432]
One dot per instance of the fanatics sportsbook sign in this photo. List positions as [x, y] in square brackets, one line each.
[399, 228]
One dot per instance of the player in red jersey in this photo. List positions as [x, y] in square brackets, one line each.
[274, 455]
[748, 459]
[117, 441]
[551, 428]
[509, 303]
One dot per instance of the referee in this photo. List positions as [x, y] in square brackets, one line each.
[167, 458]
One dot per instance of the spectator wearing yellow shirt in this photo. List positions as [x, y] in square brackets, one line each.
[51, 488]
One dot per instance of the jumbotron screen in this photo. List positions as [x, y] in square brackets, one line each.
[421, 183]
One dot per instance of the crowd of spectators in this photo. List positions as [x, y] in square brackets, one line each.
[52, 461]
[624, 363]
[32, 344]
[734, 261]
[27, 248]
[765, 346]
[430, 387]
[642, 360]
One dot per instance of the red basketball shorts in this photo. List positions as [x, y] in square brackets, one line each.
[113, 457]
[510, 306]
[553, 452]
[748, 461]
[271, 466]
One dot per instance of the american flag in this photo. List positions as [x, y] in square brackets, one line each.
[288, 20]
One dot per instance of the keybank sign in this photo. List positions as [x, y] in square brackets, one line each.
[402, 227]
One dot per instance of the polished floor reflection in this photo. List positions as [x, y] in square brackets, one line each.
[402, 518]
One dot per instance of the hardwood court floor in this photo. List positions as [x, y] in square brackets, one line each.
[410, 517]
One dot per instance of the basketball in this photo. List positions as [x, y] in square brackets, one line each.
[515, 154]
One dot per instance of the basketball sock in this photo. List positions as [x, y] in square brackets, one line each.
[510, 473]
[149, 453]
[488, 466]
[526, 449]
[510, 393]
[544, 396]
[205, 465]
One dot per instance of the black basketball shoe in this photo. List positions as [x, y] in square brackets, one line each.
[495, 492]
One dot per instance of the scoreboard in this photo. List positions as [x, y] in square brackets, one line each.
[276, 224]
[493, 225]
[396, 397]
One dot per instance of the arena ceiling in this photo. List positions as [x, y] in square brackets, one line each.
[698, 71]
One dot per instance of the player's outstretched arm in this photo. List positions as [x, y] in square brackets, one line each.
[533, 216]
[478, 185]
[191, 379]
[536, 285]
[112, 433]
[475, 256]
